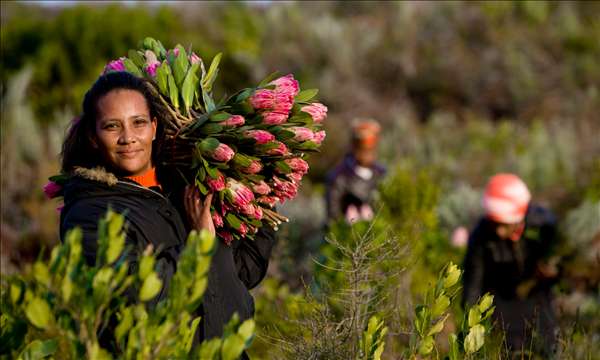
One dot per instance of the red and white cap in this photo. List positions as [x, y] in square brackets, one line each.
[506, 199]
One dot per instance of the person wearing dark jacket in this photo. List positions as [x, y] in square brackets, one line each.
[350, 185]
[109, 155]
[506, 257]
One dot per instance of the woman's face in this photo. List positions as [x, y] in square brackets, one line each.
[124, 132]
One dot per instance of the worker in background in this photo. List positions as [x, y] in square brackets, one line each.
[351, 184]
[507, 257]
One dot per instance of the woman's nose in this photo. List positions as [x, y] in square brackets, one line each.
[127, 135]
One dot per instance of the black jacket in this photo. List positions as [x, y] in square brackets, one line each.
[499, 267]
[345, 187]
[155, 218]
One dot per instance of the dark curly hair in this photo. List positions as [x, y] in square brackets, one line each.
[77, 149]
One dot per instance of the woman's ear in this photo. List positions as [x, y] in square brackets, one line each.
[154, 124]
[92, 138]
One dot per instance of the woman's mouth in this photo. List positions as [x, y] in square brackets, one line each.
[128, 153]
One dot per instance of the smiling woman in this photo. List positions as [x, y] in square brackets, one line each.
[124, 132]
[112, 156]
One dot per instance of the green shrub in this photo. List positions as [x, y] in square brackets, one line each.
[65, 301]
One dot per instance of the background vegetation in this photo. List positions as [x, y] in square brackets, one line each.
[463, 90]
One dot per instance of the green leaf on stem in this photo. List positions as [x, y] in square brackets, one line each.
[233, 221]
[173, 91]
[242, 160]
[212, 172]
[474, 316]
[136, 58]
[274, 130]
[38, 312]
[150, 287]
[210, 128]
[244, 94]
[201, 174]
[454, 352]
[212, 71]
[39, 349]
[209, 144]
[308, 145]
[441, 305]
[161, 78]
[438, 327]
[474, 340]
[241, 109]
[285, 135]
[131, 68]
[425, 345]
[453, 278]
[306, 95]
[268, 79]
[283, 166]
[188, 86]
[201, 186]
[218, 117]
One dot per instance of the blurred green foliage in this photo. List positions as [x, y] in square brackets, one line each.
[69, 301]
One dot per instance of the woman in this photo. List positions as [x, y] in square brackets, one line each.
[112, 156]
[507, 257]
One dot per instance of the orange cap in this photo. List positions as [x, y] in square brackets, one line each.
[506, 199]
[366, 132]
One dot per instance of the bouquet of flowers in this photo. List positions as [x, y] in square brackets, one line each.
[249, 148]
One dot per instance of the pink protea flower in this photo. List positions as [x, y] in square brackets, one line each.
[115, 65]
[247, 209]
[222, 153]
[282, 149]
[267, 200]
[52, 189]
[262, 99]
[262, 188]
[283, 103]
[258, 215]
[289, 192]
[319, 137]
[262, 137]
[284, 189]
[286, 84]
[253, 168]
[317, 111]
[302, 134]
[274, 117]
[226, 235]
[226, 206]
[298, 165]
[242, 195]
[194, 58]
[255, 228]
[296, 177]
[176, 51]
[216, 185]
[243, 230]
[63, 205]
[217, 220]
[151, 69]
[235, 120]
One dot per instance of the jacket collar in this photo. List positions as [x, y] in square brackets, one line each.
[98, 174]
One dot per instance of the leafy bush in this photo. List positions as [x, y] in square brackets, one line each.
[70, 302]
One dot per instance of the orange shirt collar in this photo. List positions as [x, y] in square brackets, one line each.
[147, 180]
